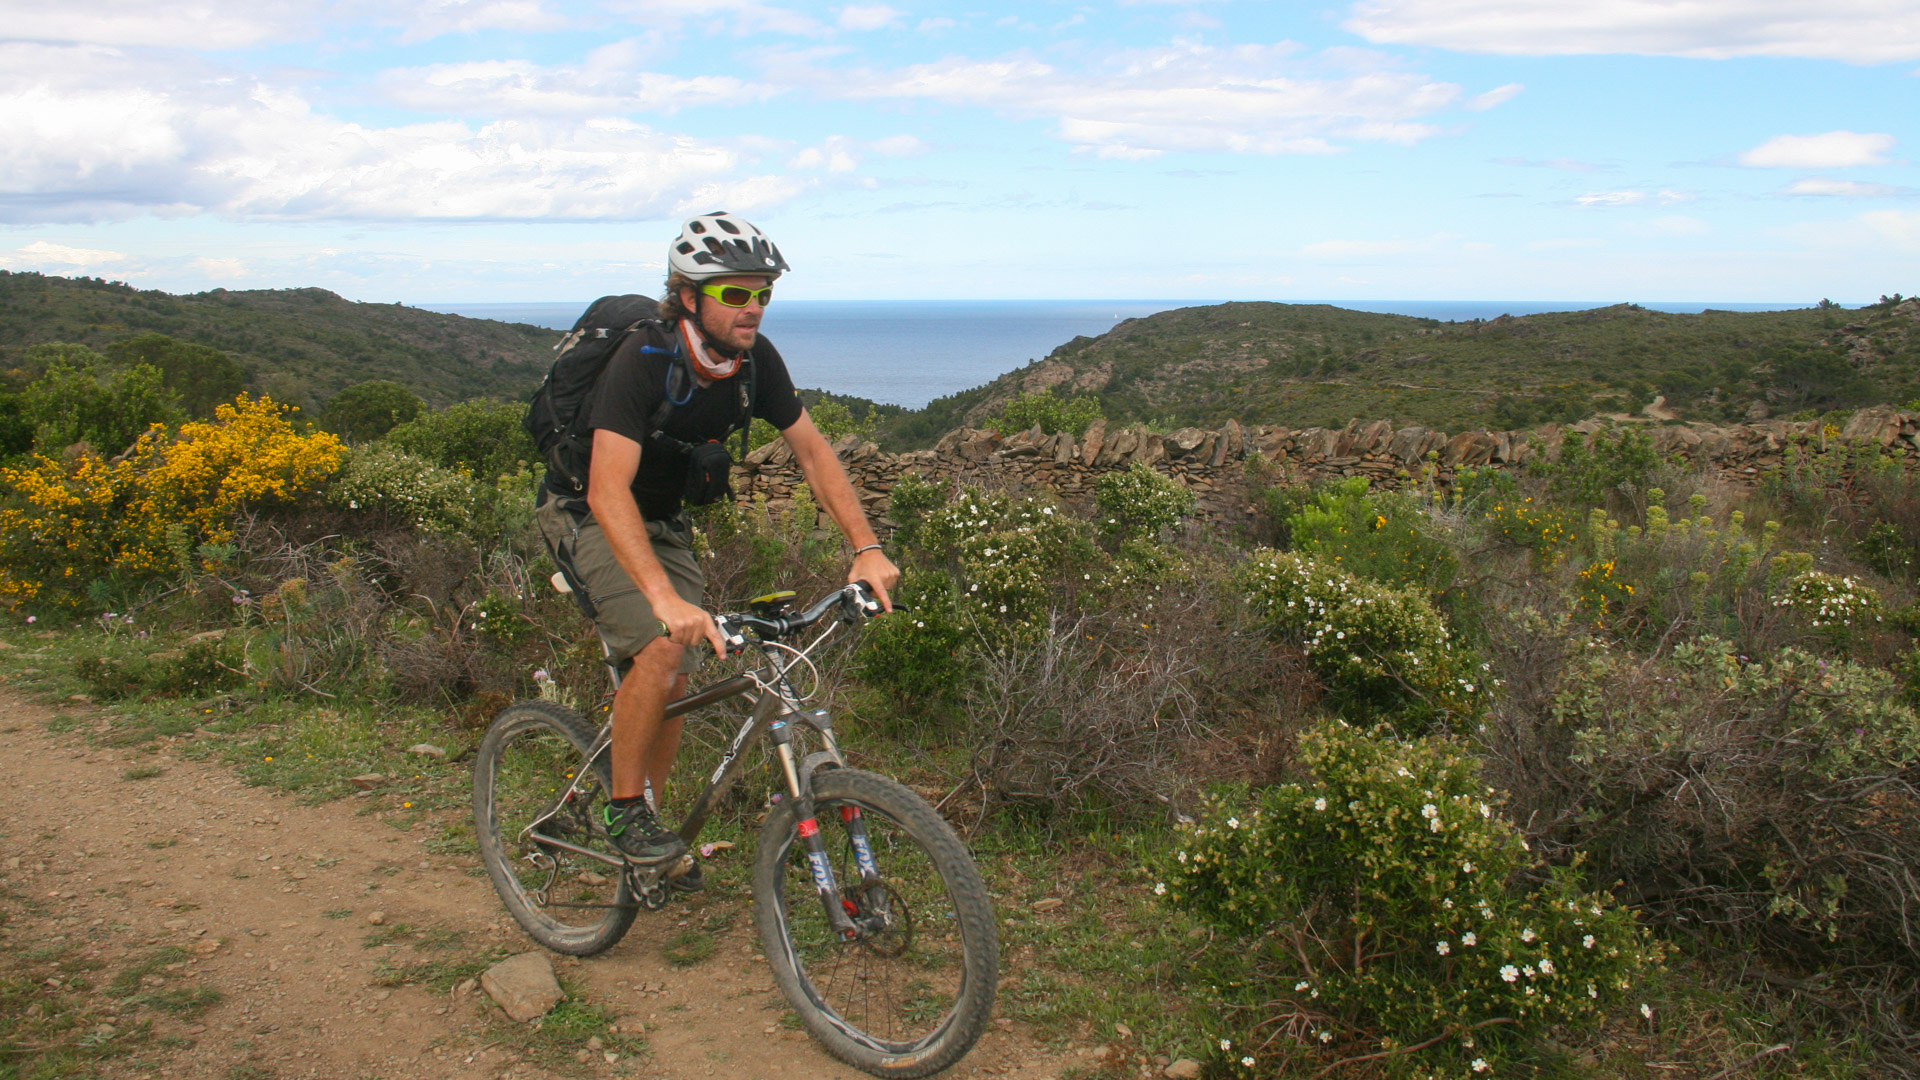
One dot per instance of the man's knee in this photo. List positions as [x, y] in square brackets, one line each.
[659, 663]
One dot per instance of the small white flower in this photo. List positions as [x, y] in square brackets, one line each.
[1226, 1044]
[1546, 967]
[1301, 985]
[1466, 868]
[1429, 811]
[1646, 1010]
[1437, 825]
[1527, 971]
[1442, 948]
[1587, 941]
[1480, 1065]
[1326, 1036]
[1319, 804]
[1509, 973]
[1233, 823]
[1159, 888]
[1182, 857]
[1592, 991]
[1247, 1061]
[1528, 935]
[1469, 938]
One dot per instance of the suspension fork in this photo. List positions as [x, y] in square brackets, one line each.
[808, 829]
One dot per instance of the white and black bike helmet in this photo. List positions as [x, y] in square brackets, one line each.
[719, 244]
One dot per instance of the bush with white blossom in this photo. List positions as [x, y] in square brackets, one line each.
[1383, 651]
[409, 490]
[1830, 604]
[1388, 910]
[1140, 501]
[1006, 555]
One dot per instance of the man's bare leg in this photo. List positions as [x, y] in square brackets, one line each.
[644, 741]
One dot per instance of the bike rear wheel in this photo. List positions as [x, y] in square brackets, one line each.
[568, 901]
[904, 1002]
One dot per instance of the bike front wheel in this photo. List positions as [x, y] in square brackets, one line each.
[533, 817]
[905, 1001]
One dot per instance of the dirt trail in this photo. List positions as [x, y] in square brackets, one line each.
[272, 898]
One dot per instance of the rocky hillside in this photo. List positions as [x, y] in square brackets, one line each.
[1316, 365]
[301, 345]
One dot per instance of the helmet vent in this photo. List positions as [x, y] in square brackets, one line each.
[684, 248]
[696, 227]
[727, 225]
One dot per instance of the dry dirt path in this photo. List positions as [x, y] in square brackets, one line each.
[271, 899]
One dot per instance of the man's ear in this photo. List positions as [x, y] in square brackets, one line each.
[690, 298]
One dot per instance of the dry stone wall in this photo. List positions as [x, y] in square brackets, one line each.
[1213, 463]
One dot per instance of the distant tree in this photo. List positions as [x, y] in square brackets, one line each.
[108, 412]
[1818, 379]
[483, 438]
[1053, 414]
[368, 411]
[16, 434]
[201, 376]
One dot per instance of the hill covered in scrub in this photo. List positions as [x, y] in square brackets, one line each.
[301, 346]
[1318, 365]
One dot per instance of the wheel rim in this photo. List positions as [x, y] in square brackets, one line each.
[568, 892]
[894, 990]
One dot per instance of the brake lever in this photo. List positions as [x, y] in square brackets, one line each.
[735, 639]
[861, 597]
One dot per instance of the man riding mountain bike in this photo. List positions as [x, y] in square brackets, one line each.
[659, 414]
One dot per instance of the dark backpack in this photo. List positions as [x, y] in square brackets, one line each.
[557, 417]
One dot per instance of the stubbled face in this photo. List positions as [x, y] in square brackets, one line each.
[734, 327]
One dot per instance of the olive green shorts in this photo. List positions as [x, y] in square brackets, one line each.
[620, 610]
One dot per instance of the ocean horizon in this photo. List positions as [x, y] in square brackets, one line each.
[910, 352]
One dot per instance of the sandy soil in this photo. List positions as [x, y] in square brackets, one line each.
[245, 880]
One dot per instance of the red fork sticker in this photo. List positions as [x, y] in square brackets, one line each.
[849, 813]
[809, 828]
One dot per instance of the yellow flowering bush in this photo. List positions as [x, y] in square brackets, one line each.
[68, 524]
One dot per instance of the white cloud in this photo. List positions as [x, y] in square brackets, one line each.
[1497, 96]
[936, 24]
[607, 83]
[1833, 150]
[1899, 228]
[867, 17]
[224, 269]
[737, 17]
[1630, 197]
[1259, 99]
[836, 154]
[42, 253]
[899, 146]
[1854, 189]
[94, 135]
[1855, 31]
[234, 24]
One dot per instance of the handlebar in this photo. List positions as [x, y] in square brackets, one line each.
[855, 600]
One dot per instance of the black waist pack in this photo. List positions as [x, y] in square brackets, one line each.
[709, 473]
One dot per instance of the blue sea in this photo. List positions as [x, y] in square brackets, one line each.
[909, 352]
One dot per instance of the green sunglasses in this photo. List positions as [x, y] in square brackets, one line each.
[738, 295]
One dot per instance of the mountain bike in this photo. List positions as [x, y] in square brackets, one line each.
[870, 911]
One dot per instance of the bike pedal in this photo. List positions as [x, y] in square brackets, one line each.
[681, 868]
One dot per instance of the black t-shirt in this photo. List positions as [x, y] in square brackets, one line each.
[634, 384]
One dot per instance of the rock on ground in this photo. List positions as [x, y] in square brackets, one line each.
[523, 985]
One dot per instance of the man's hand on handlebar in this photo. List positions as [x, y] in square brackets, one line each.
[687, 624]
[877, 572]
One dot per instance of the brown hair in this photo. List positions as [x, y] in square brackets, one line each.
[671, 309]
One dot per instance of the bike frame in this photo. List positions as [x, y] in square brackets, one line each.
[776, 709]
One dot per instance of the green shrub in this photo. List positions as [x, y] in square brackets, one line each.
[921, 657]
[1834, 607]
[913, 496]
[1773, 798]
[1054, 414]
[201, 377]
[369, 410]
[199, 667]
[1140, 501]
[71, 404]
[481, 438]
[1598, 466]
[1385, 909]
[1375, 534]
[1384, 652]
[406, 489]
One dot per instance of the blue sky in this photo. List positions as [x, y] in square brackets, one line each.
[508, 150]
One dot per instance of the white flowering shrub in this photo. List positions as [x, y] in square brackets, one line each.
[380, 480]
[1006, 555]
[1387, 909]
[1140, 501]
[920, 656]
[1833, 605]
[1383, 651]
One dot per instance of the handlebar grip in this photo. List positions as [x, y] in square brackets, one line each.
[736, 641]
